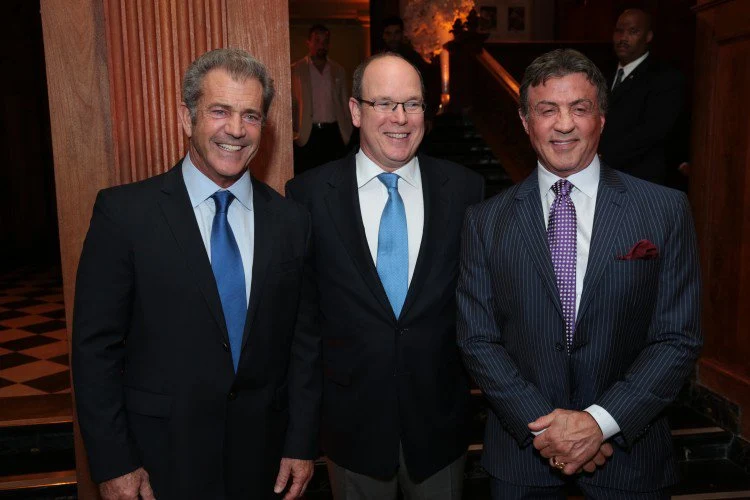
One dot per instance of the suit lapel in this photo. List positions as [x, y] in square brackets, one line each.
[436, 202]
[529, 217]
[627, 83]
[178, 212]
[263, 251]
[608, 216]
[343, 206]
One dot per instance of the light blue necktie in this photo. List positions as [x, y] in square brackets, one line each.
[393, 246]
[226, 263]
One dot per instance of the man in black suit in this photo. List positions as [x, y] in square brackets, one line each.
[646, 103]
[189, 377]
[578, 300]
[386, 225]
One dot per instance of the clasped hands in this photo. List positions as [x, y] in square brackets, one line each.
[572, 441]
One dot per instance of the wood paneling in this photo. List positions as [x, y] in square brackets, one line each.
[114, 71]
[720, 191]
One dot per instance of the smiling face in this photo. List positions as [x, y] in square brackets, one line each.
[226, 132]
[389, 139]
[631, 36]
[564, 123]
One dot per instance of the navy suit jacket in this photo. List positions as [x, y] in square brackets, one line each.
[152, 368]
[637, 330]
[387, 380]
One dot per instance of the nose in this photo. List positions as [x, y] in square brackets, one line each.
[234, 126]
[564, 123]
[399, 114]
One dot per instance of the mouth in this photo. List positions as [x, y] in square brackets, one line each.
[229, 147]
[394, 135]
[563, 145]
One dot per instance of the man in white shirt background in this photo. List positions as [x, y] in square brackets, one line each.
[578, 301]
[320, 113]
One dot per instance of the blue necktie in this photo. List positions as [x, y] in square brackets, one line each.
[393, 246]
[229, 273]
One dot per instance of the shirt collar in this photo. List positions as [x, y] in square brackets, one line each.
[630, 67]
[200, 187]
[367, 170]
[586, 181]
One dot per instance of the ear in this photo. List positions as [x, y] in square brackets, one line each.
[523, 120]
[356, 111]
[603, 119]
[187, 124]
[649, 36]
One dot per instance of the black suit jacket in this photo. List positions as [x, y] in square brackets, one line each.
[641, 121]
[153, 374]
[386, 379]
[637, 332]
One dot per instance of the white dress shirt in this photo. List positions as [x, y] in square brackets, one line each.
[585, 187]
[240, 214]
[628, 68]
[373, 196]
[322, 94]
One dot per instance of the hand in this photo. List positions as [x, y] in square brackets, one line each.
[132, 486]
[605, 451]
[571, 437]
[301, 472]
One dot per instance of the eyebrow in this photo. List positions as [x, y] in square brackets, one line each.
[570, 104]
[228, 107]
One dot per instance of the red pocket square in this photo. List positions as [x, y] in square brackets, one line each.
[643, 250]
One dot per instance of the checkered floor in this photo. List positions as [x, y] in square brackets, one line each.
[33, 337]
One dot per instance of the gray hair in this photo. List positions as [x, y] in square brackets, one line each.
[359, 72]
[557, 64]
[238, 63]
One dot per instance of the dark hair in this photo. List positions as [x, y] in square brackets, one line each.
[559, 63]
[238, 63]
[359, 72]
[393, 21]
[317, 28]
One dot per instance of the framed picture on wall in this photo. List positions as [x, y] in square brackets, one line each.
[517, 22]
[487, 18]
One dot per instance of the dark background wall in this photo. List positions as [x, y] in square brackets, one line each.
[28, 220]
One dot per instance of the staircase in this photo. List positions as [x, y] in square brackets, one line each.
[37, 458]
[455, 138]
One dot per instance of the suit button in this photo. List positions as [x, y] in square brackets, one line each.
[232, 396]
[225, 346]
[402, 331]
[559, 346]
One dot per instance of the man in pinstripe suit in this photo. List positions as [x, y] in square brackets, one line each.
[578, 303]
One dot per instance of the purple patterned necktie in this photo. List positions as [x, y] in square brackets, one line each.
[561, 235]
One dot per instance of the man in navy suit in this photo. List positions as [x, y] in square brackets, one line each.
[578, 304]
[386, 230]
[189, 377]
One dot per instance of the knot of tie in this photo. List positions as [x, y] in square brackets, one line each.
[563, 187]
[390, 180]
[222, 199]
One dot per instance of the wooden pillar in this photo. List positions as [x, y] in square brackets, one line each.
[114, 72]
[719, 191]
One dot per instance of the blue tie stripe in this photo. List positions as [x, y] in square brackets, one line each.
[393, 246]
[229, 273]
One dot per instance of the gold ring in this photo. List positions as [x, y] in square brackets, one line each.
[558, 465]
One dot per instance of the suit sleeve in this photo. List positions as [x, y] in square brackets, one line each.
[674, 337]
[305, 376]
[515, 400]
[101, 320]
[660, 113]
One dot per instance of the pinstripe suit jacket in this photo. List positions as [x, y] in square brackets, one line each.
[637, 331]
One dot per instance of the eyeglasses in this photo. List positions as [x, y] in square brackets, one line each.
[386, 106]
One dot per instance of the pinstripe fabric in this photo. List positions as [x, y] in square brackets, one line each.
[637, 329]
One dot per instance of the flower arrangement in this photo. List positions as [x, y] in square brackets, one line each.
[427, 23]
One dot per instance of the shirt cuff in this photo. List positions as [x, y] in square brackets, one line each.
[607, 424]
